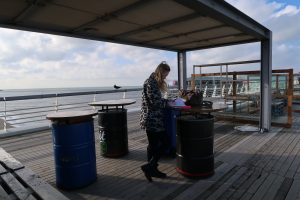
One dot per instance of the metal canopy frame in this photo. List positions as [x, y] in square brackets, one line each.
[172, 25]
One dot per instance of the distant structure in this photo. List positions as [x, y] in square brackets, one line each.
[117, 87]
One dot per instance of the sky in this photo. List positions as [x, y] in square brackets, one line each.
[34, 60]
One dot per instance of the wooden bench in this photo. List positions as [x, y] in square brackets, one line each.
[19, 182]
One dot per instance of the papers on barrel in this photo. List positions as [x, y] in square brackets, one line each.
[179, 103]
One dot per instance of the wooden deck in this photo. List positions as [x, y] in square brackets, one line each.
[247, 166]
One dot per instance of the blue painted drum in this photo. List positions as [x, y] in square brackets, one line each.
[74, 154]
[171, 115]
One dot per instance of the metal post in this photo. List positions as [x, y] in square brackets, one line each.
[221, 80]
[200, 78]
[181, 58]
[265, 84]
[193, 79]
[226, 83]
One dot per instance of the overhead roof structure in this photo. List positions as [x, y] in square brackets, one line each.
[173, 25]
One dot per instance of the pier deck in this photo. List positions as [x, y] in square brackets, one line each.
[247, 166]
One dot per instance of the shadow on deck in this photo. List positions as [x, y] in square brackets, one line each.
[247, 166]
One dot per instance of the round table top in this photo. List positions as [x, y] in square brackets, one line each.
[119, 102]
[70, 114]
[215, 107]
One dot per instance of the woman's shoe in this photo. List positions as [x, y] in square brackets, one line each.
[158, 174]
[147, 171]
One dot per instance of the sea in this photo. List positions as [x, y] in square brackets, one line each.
[32, 112]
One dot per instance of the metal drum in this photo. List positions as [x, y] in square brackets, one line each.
[171, 115]
[74, 153]
[195, 141]
[113, 132]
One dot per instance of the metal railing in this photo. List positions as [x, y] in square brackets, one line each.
[32, 109]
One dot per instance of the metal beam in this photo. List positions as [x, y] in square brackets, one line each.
[227, 14]
[181, 58]
[210, 39]
[229, 63]
[221, 45]
[265, 84]
[185, 33]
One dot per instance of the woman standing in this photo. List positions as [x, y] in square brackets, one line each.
[152, 119]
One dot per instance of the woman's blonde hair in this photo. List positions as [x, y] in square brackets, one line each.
[160, 69]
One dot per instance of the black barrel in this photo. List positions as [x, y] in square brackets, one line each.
[195, 145]
[113, 132]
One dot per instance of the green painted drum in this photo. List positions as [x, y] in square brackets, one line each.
[113, 132]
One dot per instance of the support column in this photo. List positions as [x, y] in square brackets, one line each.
[265, 84]
[181, 58]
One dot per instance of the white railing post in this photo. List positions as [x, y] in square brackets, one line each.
[124, 95]
[94, 100]
[56, 103]
[4, 122]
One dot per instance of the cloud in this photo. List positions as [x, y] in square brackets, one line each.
[225, 54]
[288, 10]
[281, 19]
[69, 62]
[278, 17]
[259, 10]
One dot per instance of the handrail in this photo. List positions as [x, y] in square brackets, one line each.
[41, 96]
[228, 63]
[29, 114]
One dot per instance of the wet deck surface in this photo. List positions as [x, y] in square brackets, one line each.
[248, 165]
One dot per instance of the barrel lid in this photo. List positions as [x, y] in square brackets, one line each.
[70, 114]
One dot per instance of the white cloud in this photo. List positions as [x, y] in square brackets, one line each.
[259, 10]
[281, 19]
[287, 10]
[224, 54]
[69, 62]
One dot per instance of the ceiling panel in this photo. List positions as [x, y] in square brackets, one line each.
[156, 11]
[44, 16]
[164, 24]
[113, 27]
[97, 7]
[11, 8]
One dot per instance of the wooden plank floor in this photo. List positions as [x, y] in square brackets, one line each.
[247, 166]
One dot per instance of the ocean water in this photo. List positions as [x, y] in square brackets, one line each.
[33, 111]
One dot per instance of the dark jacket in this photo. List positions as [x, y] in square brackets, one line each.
[152, 110]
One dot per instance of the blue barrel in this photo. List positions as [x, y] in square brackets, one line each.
[171, 115]
[74, 154]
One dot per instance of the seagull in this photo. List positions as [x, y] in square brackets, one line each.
[117, 87]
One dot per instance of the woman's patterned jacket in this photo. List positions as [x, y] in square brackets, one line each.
[152, 110]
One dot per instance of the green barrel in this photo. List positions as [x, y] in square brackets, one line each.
[113, 132]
